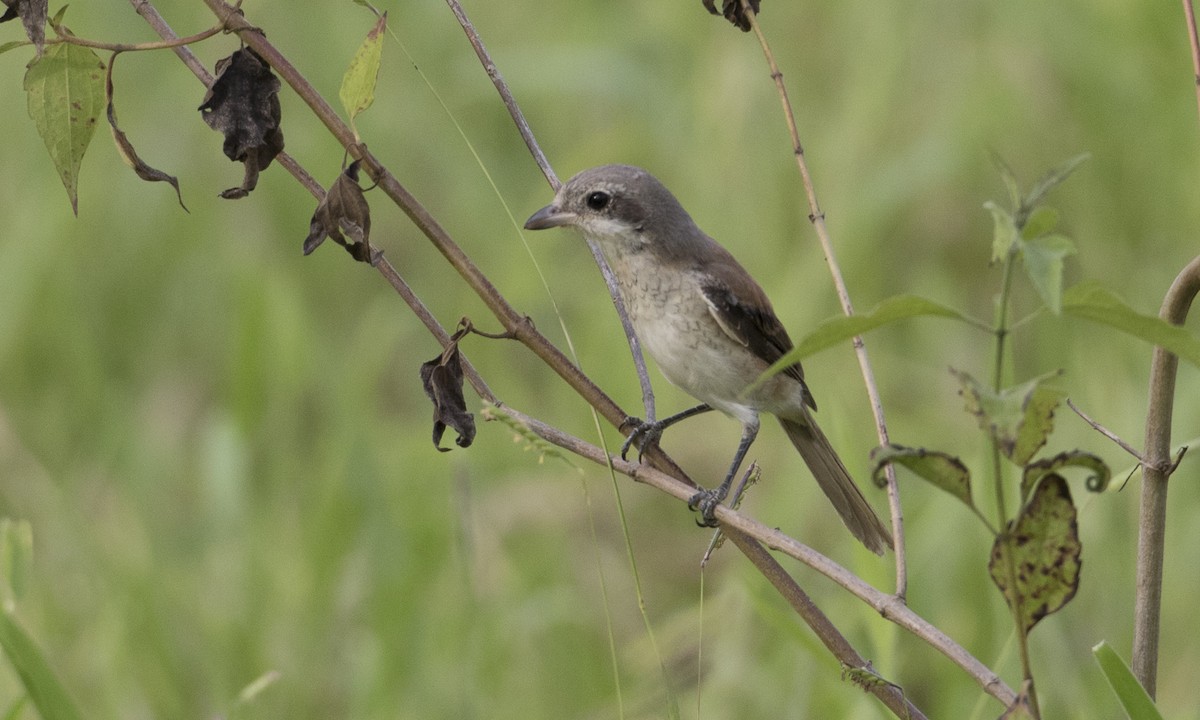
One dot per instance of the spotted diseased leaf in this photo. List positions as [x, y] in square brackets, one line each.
[442, 378]
[125, 147]
[938, 468]
[733, 11]
[243, 104]
[1042, 548]
[1020, 418]
[65, 91]
[345, 216]
[33, 14]
[1096, 482]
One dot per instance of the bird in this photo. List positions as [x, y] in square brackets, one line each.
[707, 324]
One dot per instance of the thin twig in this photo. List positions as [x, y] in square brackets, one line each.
[1107, 433]
[817, 217]
[610, 280]
[1190, 13]
[1156, 469]
[732, 521]
[889, 694]
[136, 47]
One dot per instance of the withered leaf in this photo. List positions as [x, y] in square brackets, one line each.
[733, 11]
[33, 14]
[443, 381]
[125, 148]
[344, 210]
[243, 103]
[1042, 548]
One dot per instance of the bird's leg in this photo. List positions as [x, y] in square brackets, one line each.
[706, 501]
[645, 434]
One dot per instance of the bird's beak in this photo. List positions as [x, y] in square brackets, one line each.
[549, 217]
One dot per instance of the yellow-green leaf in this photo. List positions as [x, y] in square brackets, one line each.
[65, 92]
[358, 84]
[938, 468]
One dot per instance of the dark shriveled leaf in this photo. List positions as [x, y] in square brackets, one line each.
[125, 148]
[243, 104]
[442, 378]
[1044, 545]
[733, 11]
[344, 212]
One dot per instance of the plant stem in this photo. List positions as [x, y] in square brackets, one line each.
[1152, 522]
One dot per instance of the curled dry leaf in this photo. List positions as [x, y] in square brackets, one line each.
[344, 210]
[443, 381]
[125, 148]
[733, 11]
[243, 103]
[33, 14]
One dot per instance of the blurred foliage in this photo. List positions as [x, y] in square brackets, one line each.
[223, 446]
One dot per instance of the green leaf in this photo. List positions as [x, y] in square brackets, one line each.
[1042, 221]
[1038, 403]
[1020, 418]
[43, 687]
[1043, 258]
[1004, 231]
[358, 84]
[841, 328]
[938, 468]
[16, 555]
[1049, 181]
[1042, 547]
[1096, 482]
[12, 45]
[1130, 693]
[1090, 301]
[65, 92]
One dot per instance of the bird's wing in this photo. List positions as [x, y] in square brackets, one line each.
[746, 316]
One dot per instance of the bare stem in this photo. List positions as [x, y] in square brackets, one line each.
[518, 117]
[1152, 523]
[1194, 41]
[732, 521]
[817, 217]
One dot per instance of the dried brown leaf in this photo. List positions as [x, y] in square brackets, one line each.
[345, 216]
[243, 104]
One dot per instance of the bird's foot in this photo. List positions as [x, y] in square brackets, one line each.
[643, 435]
[705, 502]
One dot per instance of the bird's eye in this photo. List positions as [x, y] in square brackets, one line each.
[598, 200]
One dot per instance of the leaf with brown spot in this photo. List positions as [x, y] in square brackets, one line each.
[1042, 547]
[344, 210]
[125, 148]
[243, 104]
[442, 378]
[733, 11]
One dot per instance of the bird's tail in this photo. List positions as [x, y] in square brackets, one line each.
[837, 484]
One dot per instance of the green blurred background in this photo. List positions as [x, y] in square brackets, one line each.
[223, 447]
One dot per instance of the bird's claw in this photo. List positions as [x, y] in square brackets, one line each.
[705, 502]
[643, 435]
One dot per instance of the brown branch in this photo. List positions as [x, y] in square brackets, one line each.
[1194, 41]
[734, 523]
[1156, 470]
[817, 217]
[518, 117]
